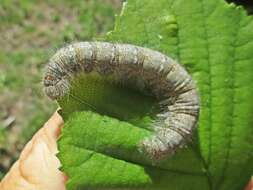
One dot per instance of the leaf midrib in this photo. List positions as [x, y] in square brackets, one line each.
[136, 163]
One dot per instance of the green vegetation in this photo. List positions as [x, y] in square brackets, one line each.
[213, 40]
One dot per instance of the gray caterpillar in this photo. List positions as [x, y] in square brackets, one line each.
[144, 68]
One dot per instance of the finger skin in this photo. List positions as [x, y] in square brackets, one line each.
[250, 185]
[37, 167]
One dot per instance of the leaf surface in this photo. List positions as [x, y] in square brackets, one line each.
[214, 41]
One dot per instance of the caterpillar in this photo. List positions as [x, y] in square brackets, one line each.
[148, 71]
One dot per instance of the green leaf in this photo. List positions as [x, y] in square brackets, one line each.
[214, 41]
[99, 151]
[90, 155]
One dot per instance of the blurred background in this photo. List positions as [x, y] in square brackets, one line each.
[30, 32]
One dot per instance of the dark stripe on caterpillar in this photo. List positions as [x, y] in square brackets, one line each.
[164, 78]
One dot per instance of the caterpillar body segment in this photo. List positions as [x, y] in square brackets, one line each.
[146, 70]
